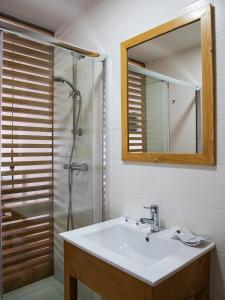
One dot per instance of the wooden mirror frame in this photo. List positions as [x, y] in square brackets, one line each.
[207, 157]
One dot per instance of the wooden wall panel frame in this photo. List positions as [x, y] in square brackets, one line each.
[207, 157]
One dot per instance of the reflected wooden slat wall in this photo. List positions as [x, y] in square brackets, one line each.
[26, 168]
[137, 138]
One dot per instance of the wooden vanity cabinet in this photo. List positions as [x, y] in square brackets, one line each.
[114, 284]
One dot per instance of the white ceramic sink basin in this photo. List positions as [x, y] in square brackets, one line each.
[132, 244]
[124, 245]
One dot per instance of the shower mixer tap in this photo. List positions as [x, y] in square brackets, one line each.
[83, 167]
[79, 131]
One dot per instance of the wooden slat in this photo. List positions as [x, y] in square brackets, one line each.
[26, 223]
[134, 80]
[135, 150]
[23, 206]
[26, 198]
[21, 266]
[131, 143]
[26, 154]
[25, 68]
[26, 137]
[25, 76]
[22, 213]
[134, 108]
[139, 103]
[25, 231]
[135, 121]
[134, 96]
[26, 43]
[136, 138]
[26, 59]
[26, 102]
[27, 85]
[134, 115]
[26, 163]
[23, 240]
[26, 120]
[26, 111]
[26, 180]
[134, 75]
[26, 255]
[26, 247]
[134, 91]
[137, 85]
[19, 279]
[25, 51]
[135, 127]
[22, 145]
[26, 128]
[27, 94]
[133, 131]
[26, 189]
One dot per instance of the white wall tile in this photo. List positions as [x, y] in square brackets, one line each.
[133, 205]
[116, 174]
[188, 184]
[220, 277]
[221, 141]
[220, 187]
[220, 49]
[115, 144]
[220, 103]
[220, 13]
[142, 179]
[219, 230]
[116, 204]
[115, 100]
[199, 219]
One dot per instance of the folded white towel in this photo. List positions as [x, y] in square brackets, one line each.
[186, 236]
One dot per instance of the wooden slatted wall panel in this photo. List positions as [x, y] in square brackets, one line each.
[137, 111]
[26, 168]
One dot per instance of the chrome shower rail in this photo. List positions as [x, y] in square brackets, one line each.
[39, 36]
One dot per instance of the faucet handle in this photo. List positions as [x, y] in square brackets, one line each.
[154, 207]
[146, 207]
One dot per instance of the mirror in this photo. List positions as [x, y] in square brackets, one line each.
[168, 101]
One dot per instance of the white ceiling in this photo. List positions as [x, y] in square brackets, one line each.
[184, 38]
[50, 14]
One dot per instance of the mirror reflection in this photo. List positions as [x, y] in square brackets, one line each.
[164, 93]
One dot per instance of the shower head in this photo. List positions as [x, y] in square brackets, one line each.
[63, 80]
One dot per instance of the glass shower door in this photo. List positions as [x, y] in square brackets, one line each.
[86, 75]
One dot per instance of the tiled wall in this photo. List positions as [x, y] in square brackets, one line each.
[191, 196]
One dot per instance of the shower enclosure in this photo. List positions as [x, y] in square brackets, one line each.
[51, 161]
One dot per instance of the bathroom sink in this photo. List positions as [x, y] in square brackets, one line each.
[132, 244]
[129, 246]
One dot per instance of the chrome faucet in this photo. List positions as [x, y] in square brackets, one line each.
[154, 218]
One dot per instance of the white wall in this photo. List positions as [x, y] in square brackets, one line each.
[190, 196]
